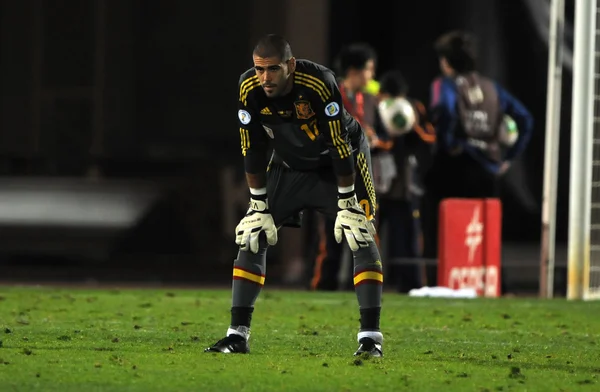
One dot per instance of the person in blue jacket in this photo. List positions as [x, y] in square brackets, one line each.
[468, 111]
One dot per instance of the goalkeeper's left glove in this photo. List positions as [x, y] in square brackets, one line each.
[257, 219]
[353, 223]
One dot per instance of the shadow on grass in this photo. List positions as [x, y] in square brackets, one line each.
[500, 363]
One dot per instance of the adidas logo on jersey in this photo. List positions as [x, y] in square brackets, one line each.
[266, 111]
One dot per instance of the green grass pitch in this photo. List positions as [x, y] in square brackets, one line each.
[153, 340]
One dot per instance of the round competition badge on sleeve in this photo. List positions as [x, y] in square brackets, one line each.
[332, 109]
[244, 117]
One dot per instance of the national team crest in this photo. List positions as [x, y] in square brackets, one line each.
[303, 110]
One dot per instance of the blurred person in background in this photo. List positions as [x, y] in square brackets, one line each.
[468, 111]
[355, 65]
[407, 137]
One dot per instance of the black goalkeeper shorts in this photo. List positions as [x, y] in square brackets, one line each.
[290, 191]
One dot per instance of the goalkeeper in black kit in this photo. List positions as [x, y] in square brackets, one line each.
[320, 161]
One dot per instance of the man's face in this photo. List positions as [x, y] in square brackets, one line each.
[445, 67]
[273, 74]
[361, 77]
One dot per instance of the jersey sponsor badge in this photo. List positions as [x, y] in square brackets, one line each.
[244, 117]
[332, 109]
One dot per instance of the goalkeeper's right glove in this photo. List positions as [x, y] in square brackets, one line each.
[257, 219]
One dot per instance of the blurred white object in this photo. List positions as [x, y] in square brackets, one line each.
[398, 115]
[74, 202]
[443, 292]
[384, 171]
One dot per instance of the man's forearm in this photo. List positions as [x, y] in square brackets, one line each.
[345, 181]
[257, 180]
[344, 170]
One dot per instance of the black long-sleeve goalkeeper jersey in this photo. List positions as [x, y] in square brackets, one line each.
[308, 128]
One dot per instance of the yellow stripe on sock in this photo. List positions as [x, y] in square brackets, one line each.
[368, 275]
[240, 273]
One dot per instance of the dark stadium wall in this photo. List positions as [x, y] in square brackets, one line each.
[167, 72]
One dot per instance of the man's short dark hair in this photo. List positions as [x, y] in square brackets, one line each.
[393, 83]
[458, 48]
[273, 45]
[354, 56]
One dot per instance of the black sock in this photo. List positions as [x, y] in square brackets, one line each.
[241, 316]
[369, 319]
